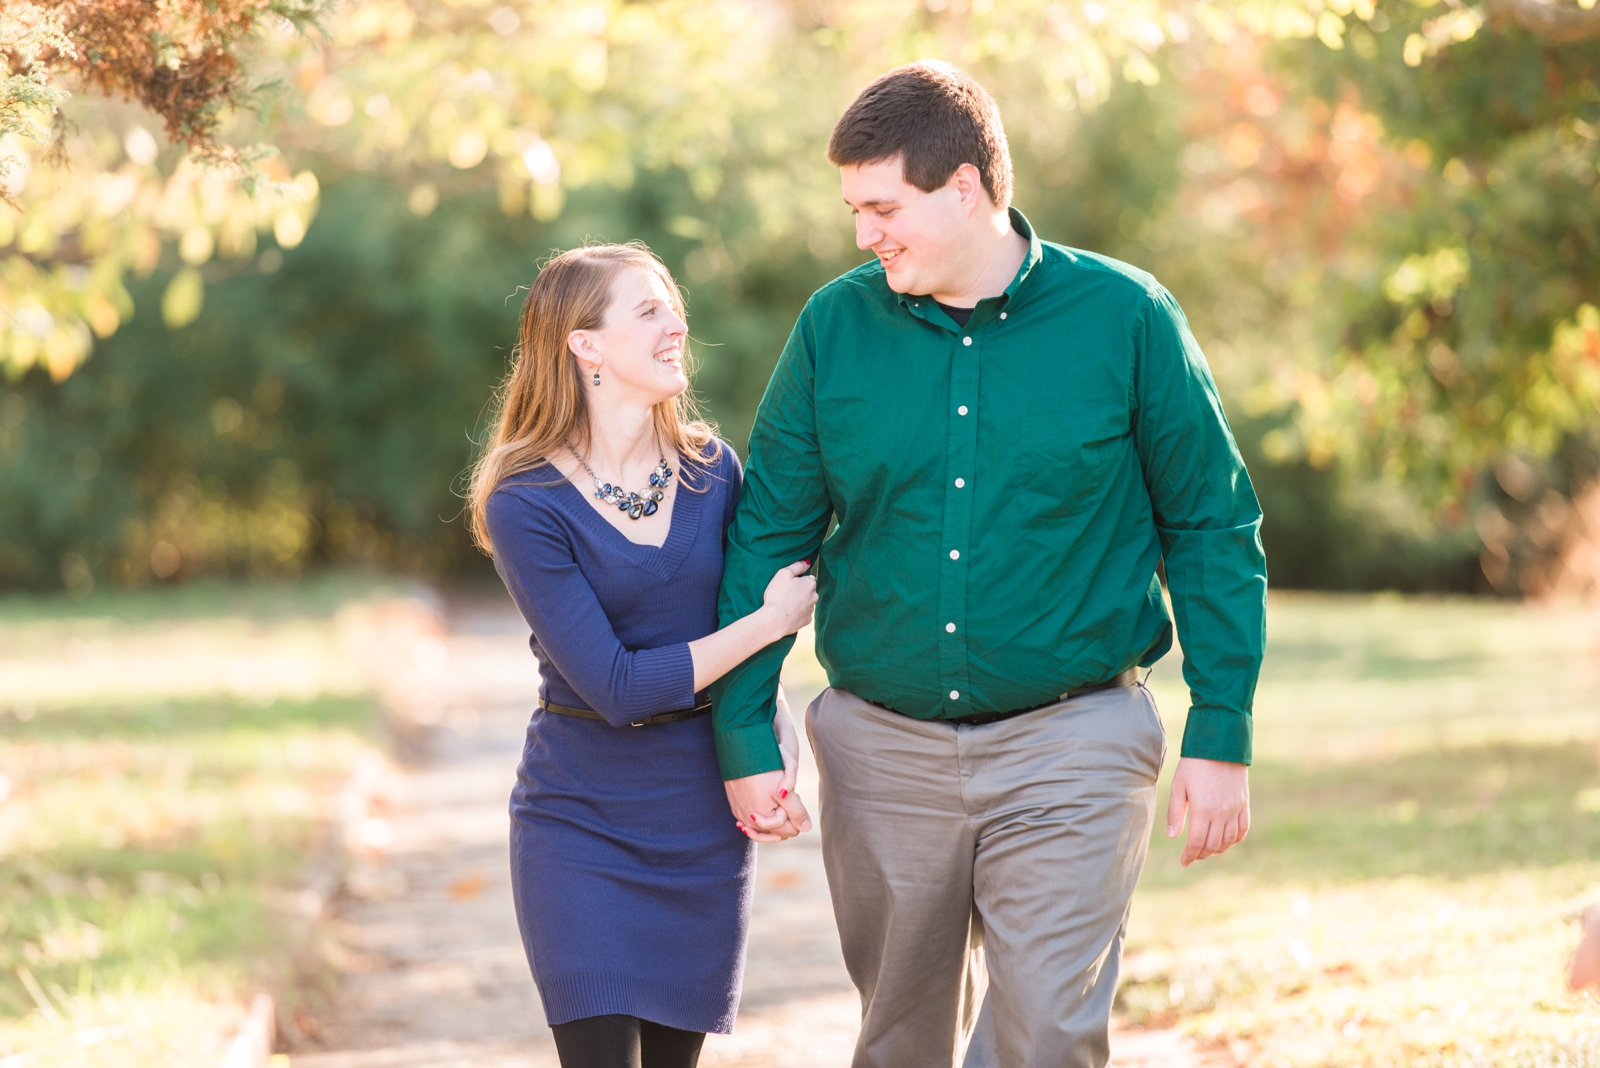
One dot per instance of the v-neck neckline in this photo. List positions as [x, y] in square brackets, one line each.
[661, 560]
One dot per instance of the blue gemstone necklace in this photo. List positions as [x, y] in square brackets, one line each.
[636, 505]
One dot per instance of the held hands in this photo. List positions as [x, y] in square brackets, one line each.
[1217, 796]
[765, 806]
[790, 598]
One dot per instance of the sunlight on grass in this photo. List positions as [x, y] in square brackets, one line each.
[165, 773]
[1420, 847]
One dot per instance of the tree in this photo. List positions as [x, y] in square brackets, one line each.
[1466, 339]
[93, 205]
[535, 98]
[1318, 184]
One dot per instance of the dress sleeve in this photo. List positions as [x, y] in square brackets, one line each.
[1210, 527]
[535, 559]
[733, 470]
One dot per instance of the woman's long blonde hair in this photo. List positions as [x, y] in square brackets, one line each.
[540, 404]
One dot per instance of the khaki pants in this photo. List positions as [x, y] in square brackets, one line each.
[1002, 856]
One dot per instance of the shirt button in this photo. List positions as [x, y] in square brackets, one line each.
[955, 554]
[960, 482]
[966, 341]
[1002, 315]
[955, 695]
[950, 628]
[961, 410]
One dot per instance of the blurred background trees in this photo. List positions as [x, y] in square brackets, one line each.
[1380, 220]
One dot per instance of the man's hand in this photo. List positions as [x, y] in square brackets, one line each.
[1217, 796]
[766, 806]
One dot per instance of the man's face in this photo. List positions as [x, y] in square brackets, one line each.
[916, 235]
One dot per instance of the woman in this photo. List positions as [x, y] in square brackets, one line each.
[604, 505]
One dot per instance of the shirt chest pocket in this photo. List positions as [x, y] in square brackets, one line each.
[1067, 459]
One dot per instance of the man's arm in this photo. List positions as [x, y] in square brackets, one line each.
[1209, 523]
[782, 517]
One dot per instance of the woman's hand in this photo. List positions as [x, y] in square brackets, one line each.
[785, 609]
[789, 748]
[756, 809]
[788, 742]
[786, 815]
[790, 597]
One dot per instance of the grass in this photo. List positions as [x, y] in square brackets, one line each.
[1426, 807]
[166, 761]
[1426, 799]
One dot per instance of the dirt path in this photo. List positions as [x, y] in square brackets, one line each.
[434, 973]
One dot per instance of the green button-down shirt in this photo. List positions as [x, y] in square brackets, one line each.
[1004, 493]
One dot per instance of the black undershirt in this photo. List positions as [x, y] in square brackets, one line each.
[960, 315]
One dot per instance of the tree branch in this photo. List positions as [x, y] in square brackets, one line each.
[1555, 22]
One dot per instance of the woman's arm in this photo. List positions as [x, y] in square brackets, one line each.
[573, 631]
[785, 608]
[535, 559]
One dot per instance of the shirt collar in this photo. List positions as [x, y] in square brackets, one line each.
[1020, 223]
[986, 309]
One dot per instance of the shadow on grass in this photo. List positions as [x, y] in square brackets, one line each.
[175, 721]
[1441, 814]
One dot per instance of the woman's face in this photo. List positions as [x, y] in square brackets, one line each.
[638, 349]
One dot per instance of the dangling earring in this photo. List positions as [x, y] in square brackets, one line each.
[597, 378]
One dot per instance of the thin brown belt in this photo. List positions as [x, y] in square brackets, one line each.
[660, 717]
[978, 719]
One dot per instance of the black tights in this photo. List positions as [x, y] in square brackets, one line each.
[625, 1042]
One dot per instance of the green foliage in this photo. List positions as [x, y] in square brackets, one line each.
[1334, 530]
[1383, 237]
[27, 93]
[1463, 333]
[302, 405]
[323, 410]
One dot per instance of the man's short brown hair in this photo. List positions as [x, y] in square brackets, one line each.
[937, 117]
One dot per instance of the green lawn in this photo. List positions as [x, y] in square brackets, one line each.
[1426, 797]
[1426, 806]
[166, 764]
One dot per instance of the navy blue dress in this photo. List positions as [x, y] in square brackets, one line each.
[632, 882]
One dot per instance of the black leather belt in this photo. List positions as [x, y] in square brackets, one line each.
[661, 717]
[978, 719]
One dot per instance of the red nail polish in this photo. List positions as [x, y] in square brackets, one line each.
[752, 817]
[783, 793]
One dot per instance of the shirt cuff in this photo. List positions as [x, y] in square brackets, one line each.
[1218, 734]
[749, 750]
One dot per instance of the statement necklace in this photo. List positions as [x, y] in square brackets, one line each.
[635, 504]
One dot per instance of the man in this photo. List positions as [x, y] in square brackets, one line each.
[1012, 436]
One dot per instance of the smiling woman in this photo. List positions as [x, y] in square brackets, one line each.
[580, 298]
[632, 878]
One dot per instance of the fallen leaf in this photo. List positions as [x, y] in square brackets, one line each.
[468, 886]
